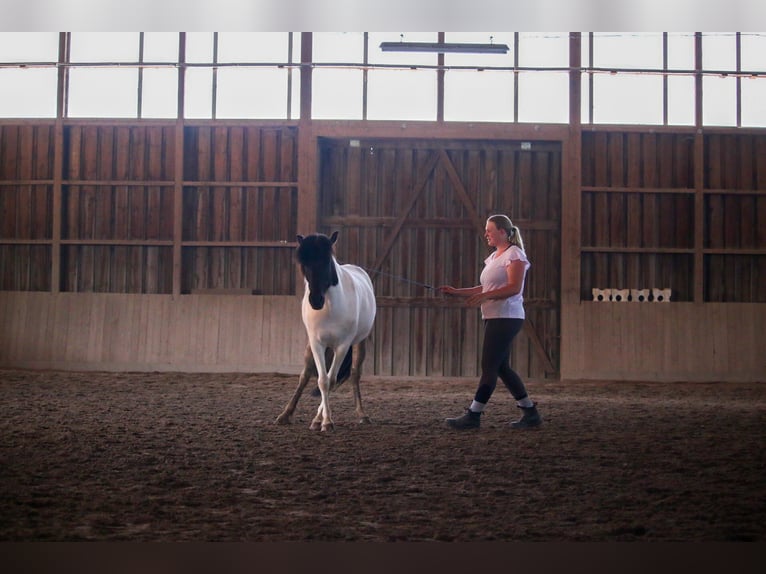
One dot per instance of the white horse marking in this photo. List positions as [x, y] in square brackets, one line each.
[338, 311]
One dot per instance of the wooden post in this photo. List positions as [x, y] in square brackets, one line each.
[699, 175]
[58, 161]
[571, 182]
[178, 175]
[307, 153]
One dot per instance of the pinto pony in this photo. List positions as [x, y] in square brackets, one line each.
[338, 311]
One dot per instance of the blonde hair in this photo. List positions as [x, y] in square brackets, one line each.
[504, 222]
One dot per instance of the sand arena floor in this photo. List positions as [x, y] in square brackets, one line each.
[197, 457]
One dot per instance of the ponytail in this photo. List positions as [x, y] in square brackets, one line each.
[515, 238]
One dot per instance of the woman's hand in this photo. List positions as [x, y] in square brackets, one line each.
[476, 300]
[447, 289]
[464, 292]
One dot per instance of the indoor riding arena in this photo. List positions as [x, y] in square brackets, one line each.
[151, 326]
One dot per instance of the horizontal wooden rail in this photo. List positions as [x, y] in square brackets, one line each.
[632, 189]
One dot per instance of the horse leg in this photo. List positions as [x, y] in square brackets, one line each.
[309, 370]
[360, 351]
[322, 420]
[326, 381]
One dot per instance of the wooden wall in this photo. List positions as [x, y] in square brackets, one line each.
[638, 212]
[137, 332]
[147, 208]
[711, 342]
[133, 244]
[671, 209]
[735, 218]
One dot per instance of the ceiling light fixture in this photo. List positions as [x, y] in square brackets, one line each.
[444, 47]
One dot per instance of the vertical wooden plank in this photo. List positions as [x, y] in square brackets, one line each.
[104, 226]
[236, 220]
[617, 214]
[601, 199]
[288, 173]
[23, 213]
[270, 166]
[44, 159]
[252, 172]
[650, 231]
[666, 217]
[420, 353]
[219, 211]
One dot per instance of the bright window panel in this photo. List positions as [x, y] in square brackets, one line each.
[198, 98]
[28, 93]
[160, 93]
[337, 94]
[29, 46]
[753, 48]
[681, 100]
[254, 47]
[339, 47]
[543, 50]
[199, 47]
[719, 101]
[753, 98]
[719, 51]
[627, 50]
[160, 46]
[478, 96]
[627, 99]
[680, 51]
[585, 49]
[585, 99]
[544, 97]
[250, 93]
[401, 95]
[480, 60]
[104, 46]
[103, 93]
[295, 95]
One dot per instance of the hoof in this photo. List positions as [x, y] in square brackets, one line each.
[328, 427]
[283, 420]
[315, 425]
[365, 420]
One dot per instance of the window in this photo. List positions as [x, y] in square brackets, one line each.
[629, 78]
[405, 91]
[337, 89]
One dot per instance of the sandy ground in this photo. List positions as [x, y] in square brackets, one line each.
[197, 457]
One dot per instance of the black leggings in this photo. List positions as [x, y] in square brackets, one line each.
[495, 356]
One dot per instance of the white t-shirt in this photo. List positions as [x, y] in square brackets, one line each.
[494, 276]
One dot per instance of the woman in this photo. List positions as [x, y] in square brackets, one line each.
[502, 308]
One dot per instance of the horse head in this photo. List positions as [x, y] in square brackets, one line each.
[315, 256]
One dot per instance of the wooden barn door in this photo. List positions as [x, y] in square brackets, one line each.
[412, 213]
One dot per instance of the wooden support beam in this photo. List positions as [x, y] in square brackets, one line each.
[571, 181]
[178, 172]
[699, 176]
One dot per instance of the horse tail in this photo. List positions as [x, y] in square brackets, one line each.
[344, 372]
[345, 367]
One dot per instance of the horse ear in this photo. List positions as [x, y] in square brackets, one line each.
[300, 238]
[334, 237]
